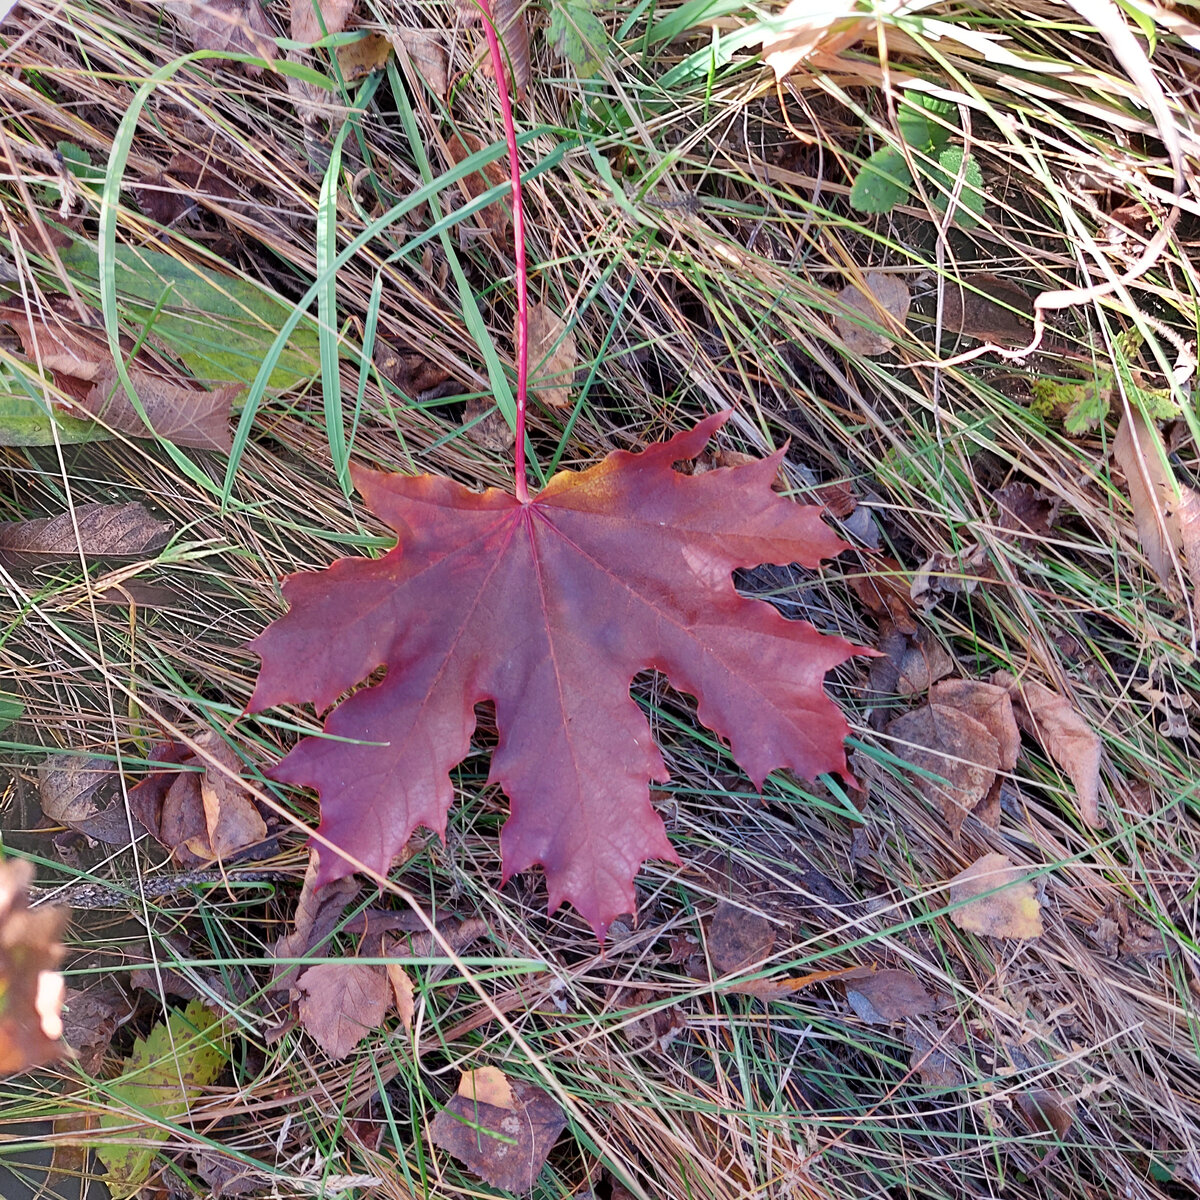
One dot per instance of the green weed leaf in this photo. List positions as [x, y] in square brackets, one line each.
[578, 35]
[220, 326]
[883, 182]
[970, 199]
[25, 421]
[915, 127]
[187, 1050]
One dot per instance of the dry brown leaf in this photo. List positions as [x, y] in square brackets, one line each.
[495, 216]
[990, 705]
[90, 1017]
[487, 1085]
[551, 357]
[428, 57]
[936, 1066]
[231, 819]
[171, 194]
[948, 743]
[77, 355]
[1002, 314]
[356, 60]
[484, 423]
[910, 663]
[31, 989]
[887, 996]
[105, 531]
[1166, 513]
[1026, 510]
[884, 294]
[82, 794]
[806, 27]
[883, 588]
[1046, 1111]
[233, 26]
[341, 1002]
[738, 938]
[402, 994]
[992, 898]
[1064, 735]
[505, 1148]
[318, 913]
[308, 17]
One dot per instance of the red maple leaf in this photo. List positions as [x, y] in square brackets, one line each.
[549, 608]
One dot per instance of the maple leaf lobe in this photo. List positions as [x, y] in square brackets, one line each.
[549, 608]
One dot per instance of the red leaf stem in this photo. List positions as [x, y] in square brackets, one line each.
[514, 170]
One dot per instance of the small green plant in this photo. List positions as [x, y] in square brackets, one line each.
[886, 178]
[1082, 404]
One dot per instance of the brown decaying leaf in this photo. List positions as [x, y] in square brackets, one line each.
[883, 588]
[1046, 1111]
[318, 913]
[506, 1148]
[233, 26]
[1026, 510]
[90, 1017]
[1064, 735]
[495, 216]
[104, 531]
[912, 663]
[513, 30]
[428, 57]
[737, 938]
[884, 997]
[79, 359]
[885, 294]
[485, 425]
[990, 316]
[551, 357]
[356, 60]
[402, 994]
[1166, 512]
[990, 705]
[935, 1065]
[955, 746]
[31, 989]
[171, 194]
[487, 1085]
[992, 898]
[82, 794]
[200, 815]
[803, 29]
[308, 17]
[341, 1002]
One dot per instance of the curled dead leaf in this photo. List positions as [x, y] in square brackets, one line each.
[993, 898]
[803, 29]
[1166, 512]
[81, 793]
[988, 308]
[1064, 734]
